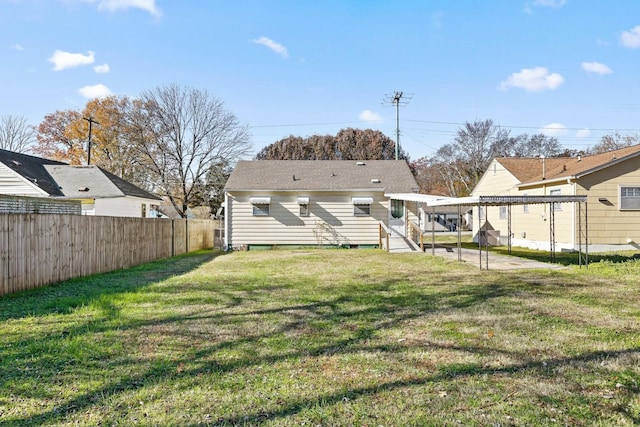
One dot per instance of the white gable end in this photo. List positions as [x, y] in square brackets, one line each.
[16, 185]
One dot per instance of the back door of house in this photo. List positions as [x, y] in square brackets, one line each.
[396, 218]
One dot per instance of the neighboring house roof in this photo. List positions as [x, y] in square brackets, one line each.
[32, 169]
[391, 176]
[530, 170]
[93, 182]
[63, 180]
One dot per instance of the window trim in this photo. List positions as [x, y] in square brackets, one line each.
[620, 197]
[502, 213]
[361, 209]
[261, 209]
[556, 206]
[362, 206]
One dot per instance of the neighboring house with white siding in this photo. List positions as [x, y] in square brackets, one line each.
[316, 202]
[611, 182]
[100, 192]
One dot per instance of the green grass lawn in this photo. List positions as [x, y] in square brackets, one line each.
[325, 337]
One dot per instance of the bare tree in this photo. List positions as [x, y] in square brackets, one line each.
[180, 134]
[534, 145]
[614, 141]
[16, 134]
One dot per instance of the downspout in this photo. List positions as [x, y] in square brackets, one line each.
[227, 214]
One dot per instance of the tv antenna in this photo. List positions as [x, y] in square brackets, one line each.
[397, 99]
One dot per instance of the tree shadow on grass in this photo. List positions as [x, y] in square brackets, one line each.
[66, 296]
[340, 324]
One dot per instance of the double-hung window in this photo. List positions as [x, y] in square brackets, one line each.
[556, 206]
[261, 205]
[362, 206]
[303, 204]
[630, 197]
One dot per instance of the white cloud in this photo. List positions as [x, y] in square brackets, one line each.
[95, 91]
[583, 133]
[533, 80]
[116, 5]
[62, 60]
[631, 38]
[554, 129]
[17, 47]
[596, 68]
[370, 116]
[101, 69]
[274, 46]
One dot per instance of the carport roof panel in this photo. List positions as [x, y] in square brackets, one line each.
[506, 200]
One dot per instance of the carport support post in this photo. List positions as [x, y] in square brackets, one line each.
[480, 233]
[509, 228]
[459, 235]
[486, 236]
[433, 230]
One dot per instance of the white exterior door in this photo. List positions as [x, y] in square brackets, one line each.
[396, 217]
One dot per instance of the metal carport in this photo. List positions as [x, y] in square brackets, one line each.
[508, 201]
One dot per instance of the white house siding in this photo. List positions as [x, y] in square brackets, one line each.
[328, 212]
[12, 183]
[121, 206]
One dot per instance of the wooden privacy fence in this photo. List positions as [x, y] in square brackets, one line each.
[37, 250]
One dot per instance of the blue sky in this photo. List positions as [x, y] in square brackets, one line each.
[569, 68]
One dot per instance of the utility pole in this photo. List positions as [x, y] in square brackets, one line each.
[91, 122]
[396, 99]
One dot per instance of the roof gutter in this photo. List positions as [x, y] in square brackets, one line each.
[568, 179]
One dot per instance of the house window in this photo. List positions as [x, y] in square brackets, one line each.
[303, 203]
[361, 210]
[260, 210]
[482, 213]
[362, 206]
[503, 212]
[144, 210]
[630, 197]
[261, 205]
[556, 206]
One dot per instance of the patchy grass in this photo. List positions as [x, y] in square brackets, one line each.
[324, 337]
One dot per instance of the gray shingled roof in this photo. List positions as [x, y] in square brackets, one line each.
[31, 168]
[93, 182]
[322, 175]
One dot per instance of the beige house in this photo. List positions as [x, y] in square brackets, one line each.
[316, 202]
[610, 181]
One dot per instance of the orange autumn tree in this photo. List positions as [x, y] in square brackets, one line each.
[64, 136]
